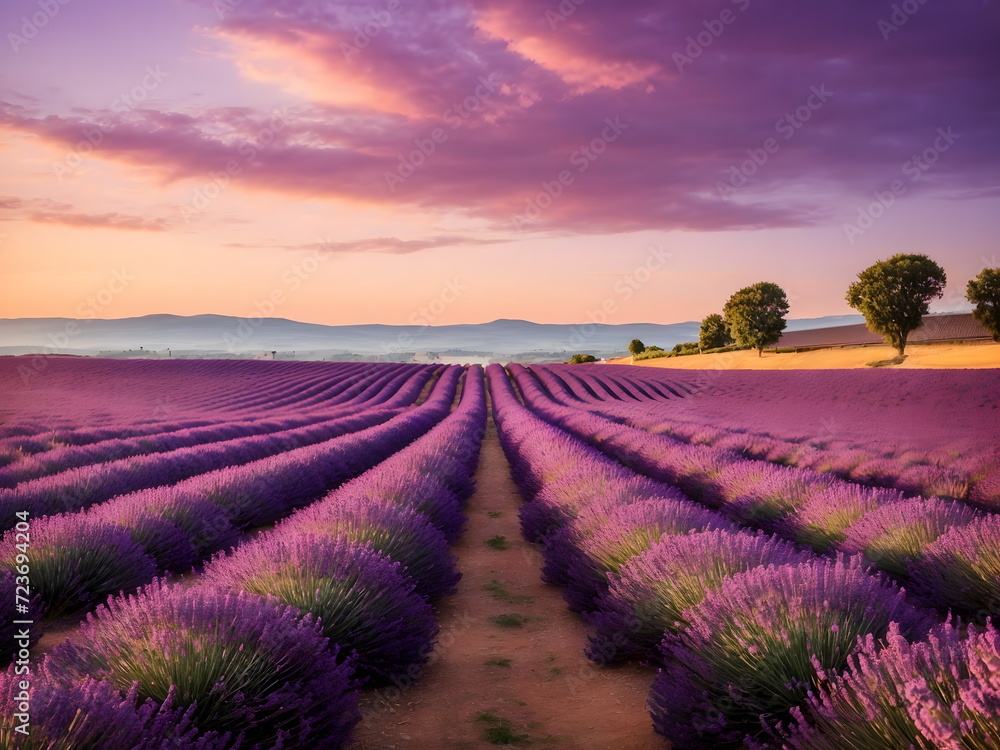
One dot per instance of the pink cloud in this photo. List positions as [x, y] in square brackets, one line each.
[491, 110]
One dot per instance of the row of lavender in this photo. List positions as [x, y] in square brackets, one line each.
[185, 394]
[759, 643]
[344, 396]
[942, 549]
[947, 472]
[267, 648]
[77, 559]
[82, 487]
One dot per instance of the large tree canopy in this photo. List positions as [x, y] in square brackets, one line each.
[714, 333]
[893, 295]
[984, 292]
[756, 315]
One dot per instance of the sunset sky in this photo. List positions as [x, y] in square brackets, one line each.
[355, 162]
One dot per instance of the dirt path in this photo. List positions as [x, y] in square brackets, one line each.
[526, 684]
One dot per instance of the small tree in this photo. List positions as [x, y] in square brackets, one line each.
[984, 292]
[756, 315]
[714, 333]
[636, 347]
[579, 359]
[893, 295]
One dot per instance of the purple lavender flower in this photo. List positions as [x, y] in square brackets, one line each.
[767, 501]
[364, 603]
[400, 533]
[8, 613]
[650, 592]
[422, 493]
[961, 569]
[928, 695]
[246, 665]
[823, 519]
[77, 562]
[986, 492]
[894, 536]
[602, 544]
[92, 715]
[933, 481]
[756, 646]
[204, 523]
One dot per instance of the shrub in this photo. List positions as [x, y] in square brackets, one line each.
[421, 492]
[938, 693]
[92, 715]
[766, 502]
[8, 613]
[894, 536]
[246, 665]
[206, 524]
[400, 533]
[77, 562]
[757, 645]
[961, 569]
[823, 519]
[363, 602]
[650, 592]
[602, 548]
[579, 359]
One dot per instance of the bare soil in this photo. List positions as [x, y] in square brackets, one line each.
[548, 694]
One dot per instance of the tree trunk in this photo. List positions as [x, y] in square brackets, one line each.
[760, 352]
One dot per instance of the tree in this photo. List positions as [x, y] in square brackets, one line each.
[579, 359]
[984, 292]
[636, 347]
[756, 315]
[893, 295]
[714, 333]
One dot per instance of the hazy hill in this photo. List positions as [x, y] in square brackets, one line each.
[220, 334]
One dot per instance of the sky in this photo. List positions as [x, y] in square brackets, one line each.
[459, 161]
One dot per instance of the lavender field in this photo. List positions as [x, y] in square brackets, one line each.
[238, 553]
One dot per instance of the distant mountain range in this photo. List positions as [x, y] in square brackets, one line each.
[224, 336]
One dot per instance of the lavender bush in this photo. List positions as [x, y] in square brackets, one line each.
[247, 666]
[823, 519]
[894, 536]
[628, 531]
[401, 534]
[364, 604]
[757, 645]
[961, 569]
[77, 562]
[651, 591]
[938, 694]
[91, 715]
